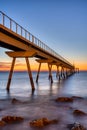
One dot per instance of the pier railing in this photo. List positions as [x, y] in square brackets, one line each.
[18, 29]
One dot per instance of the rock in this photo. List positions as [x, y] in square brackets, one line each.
[2, 123]
[79, 112]
[76, 126]
[42, 122]
[14, 100]
[37, 123]
[64, 99]
[12, 119]
[70, 126]
[53, 121]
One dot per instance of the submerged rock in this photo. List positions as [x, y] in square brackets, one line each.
[42, 122]
[64, 99]
[14, 100]
[79, 112]
[2, 123]
[12, 119]
[76, 126]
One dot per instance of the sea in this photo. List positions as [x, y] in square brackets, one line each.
[75, 85]
[41, 103]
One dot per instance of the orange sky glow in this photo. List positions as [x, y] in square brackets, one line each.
[21, 66]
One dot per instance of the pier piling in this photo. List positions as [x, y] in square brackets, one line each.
[10, 74]
[38, 73]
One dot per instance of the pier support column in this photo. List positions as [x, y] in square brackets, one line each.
[63, 73]
[66, 73]
[50, 73]
[38, 73]
[10, 74]
[29, 73]
[57, 73]
[76, 70]
[59, 77]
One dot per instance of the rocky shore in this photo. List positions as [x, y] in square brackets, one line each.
[44, 112]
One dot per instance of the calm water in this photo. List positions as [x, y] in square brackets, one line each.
[42, 102]
[20, 85]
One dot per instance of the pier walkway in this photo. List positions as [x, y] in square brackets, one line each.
[23, 44]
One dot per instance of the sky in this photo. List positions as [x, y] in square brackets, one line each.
[61, 24]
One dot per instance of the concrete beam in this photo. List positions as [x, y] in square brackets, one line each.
[20, 54]
[44, 60]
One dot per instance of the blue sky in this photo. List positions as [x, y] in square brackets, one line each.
[61, 24]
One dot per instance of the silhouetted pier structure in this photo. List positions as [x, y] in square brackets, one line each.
[22, 44]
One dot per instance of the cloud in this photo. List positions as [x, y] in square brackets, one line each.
[5, 65]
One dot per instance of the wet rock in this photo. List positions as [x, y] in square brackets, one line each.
[79, 112]
[64, 99]
[42, 122]
[2, 123]
[14, 100]
[70, 126]
[76, 126]
[53, 121]
[12, 119]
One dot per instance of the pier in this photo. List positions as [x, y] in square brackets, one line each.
[22, 44]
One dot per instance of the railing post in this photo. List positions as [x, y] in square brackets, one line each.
[25, 34]
[3, 19]
[32, 38]
[10, 24]
[16, 28]
[38, 42]
[21, 31]
[29, 36]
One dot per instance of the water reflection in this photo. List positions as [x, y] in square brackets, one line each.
[42, 88]
[73, 85]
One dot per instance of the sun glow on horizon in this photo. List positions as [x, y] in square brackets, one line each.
[21, 66]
